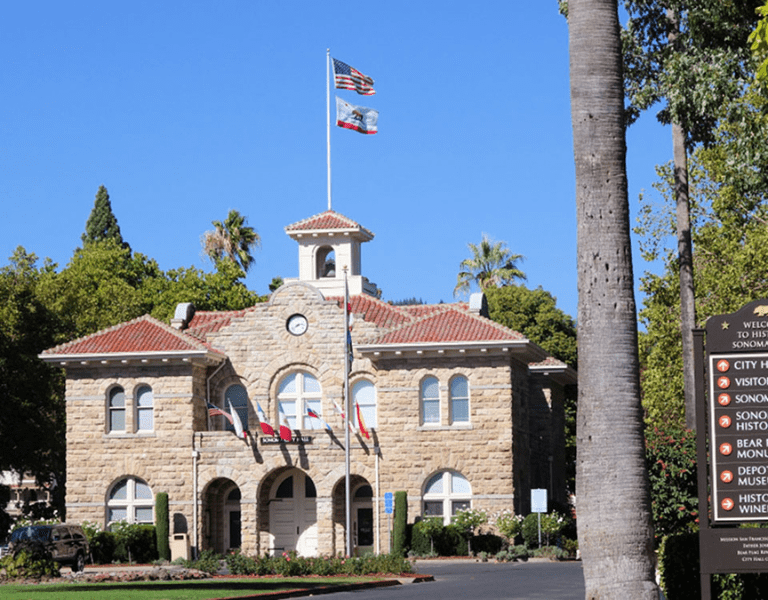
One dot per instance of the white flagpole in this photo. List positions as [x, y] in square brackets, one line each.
[347, 412]
[328, 119]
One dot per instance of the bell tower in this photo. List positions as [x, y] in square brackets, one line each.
[328, 242]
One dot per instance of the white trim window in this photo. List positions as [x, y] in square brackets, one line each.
[430, 401]
[116, 411]
[364, 394]
[130, 500]
[459, 396]
[298, 392]
[145, 409]
[445, 494]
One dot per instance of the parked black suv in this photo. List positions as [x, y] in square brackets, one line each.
[66, 544]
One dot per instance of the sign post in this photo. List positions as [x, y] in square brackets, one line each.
[733, 416]
[539, 505]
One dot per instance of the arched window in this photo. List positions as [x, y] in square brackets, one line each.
[459, 400]
[445, 494]
[430, 401]
[145, 409]
[364, 395]
[325, 262]
[298, 392]
[238, 397]
[116, 417]
[130, 500]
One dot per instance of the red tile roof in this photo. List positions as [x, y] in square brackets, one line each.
[142, 335]
[327, 220]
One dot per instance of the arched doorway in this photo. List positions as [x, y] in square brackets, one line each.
[293, 514]
[362, 519]
[222, 528]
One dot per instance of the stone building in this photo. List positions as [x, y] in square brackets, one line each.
[457, 411]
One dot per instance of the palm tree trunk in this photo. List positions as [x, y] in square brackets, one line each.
[613, 507]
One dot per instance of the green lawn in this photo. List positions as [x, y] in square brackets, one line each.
[204, 589]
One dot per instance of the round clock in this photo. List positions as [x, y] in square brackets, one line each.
[297, 324]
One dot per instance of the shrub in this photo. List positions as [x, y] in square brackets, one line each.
[208, 562]
[162, 526]
[530, 530]
[134, 542]
[102, 547]
[399, 544]
[488, 543]
[679, 566]
[29, 565]
[289, 564]
[671, 461]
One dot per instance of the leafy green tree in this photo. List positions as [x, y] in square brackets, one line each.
[615, 531]
[729, 189]
[32, 422]
[233, 239]
[759, 43]
[103, 285]
[221, 290]
[491, 264]
[534, 313]
[693, 57]
[102, 223]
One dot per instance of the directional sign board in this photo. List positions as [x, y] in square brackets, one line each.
[388, 508]
[539, 501]
[737, 346]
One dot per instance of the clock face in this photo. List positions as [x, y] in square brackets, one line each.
[297, 324]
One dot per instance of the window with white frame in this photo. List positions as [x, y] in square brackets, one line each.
[364, 395]
[116, 416]
[445, 494]
[145, 411]
[430, 401]
[296, 393]
[459, 390]
[130, 500]
[237, 396]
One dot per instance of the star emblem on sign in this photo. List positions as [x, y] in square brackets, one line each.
[725, 325]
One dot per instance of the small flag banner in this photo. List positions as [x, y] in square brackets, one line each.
[357, 118]
[265, 426]
[348, 78]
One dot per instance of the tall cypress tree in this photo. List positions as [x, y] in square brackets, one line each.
[102, 223]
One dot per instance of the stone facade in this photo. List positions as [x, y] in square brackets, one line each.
[265, 495]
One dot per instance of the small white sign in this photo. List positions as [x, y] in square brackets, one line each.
[539, 501]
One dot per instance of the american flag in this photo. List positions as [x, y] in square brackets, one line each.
[348, 78]
[215, 410]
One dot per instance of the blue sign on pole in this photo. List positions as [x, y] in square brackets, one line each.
[388, 503]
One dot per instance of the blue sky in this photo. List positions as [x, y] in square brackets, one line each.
[184, 110]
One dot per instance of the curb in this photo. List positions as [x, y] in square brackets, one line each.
[347, 587]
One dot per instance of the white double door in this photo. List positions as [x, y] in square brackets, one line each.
[293, 514]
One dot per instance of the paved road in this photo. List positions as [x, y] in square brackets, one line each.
[464, 580]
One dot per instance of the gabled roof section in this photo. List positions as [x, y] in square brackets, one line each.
[141, 337]
[449, 324]
[205, 322]
[328, 221]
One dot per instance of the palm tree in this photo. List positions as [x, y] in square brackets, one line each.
[491, 265]
[615, 528]
[232, 239]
